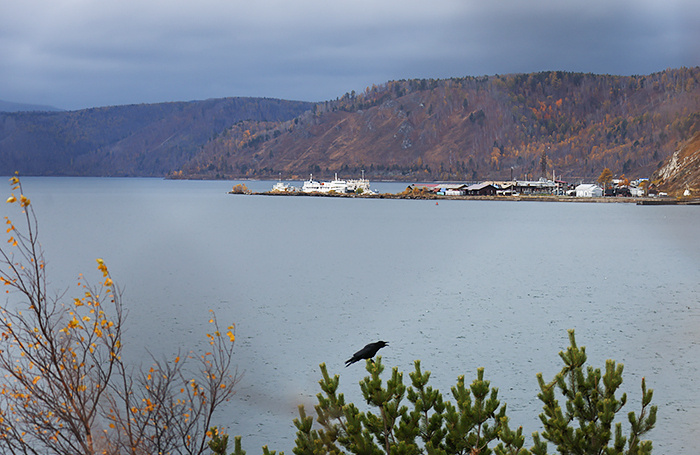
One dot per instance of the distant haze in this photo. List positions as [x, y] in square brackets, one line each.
[6, 106]
[77, 55]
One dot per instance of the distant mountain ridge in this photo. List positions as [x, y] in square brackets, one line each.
[133, 140]
[8, 106]
[523, 126]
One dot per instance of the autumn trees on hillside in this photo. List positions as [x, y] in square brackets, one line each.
[65, 388]
[473, 128]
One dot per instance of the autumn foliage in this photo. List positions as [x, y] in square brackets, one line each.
[66, 389]
[471, 128]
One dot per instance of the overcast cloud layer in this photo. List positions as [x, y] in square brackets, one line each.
[75, 54]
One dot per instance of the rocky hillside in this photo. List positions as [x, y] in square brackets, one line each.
[134, 140]
[524, 125]
[682, 171]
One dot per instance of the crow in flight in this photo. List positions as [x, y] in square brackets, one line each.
[367, 352]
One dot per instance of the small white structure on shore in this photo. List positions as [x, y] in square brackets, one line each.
[589, 190]
[636, 191]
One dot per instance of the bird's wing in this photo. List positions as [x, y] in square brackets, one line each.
[361, 352]
[358, 355]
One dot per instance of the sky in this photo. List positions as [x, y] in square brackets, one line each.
[75, 54]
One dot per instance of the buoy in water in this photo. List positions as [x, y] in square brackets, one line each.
[436, 203]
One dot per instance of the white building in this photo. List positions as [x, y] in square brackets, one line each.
[453, 189]
[636, 191]
[589, 190]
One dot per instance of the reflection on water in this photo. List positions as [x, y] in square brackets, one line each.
[461, 285]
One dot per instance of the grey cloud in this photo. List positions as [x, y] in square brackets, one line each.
[81, 54]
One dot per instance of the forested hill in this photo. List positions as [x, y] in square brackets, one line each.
[133, 140]
[470, 128]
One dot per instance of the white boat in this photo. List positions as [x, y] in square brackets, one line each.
[281, 187]
[336, 185]
[358, 184]
[312, 186]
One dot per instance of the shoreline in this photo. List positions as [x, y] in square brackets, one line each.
[521, 198]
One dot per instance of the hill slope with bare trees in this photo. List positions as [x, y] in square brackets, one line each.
[524, 125]
[133, 140]
[473, 128]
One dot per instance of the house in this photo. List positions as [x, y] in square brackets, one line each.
[589, 190]
[506, 189]
[481, 189]
[453, 189]
[637, 191]
[541, 186]
[623, 191]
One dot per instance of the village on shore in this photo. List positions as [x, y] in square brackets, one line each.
[639, 191]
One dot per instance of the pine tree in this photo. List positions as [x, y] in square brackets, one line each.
[585, 426]
[475, 424]
[414, 419]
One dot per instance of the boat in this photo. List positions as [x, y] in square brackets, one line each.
[359, 185]
[281, 187]
[337, 185]
[313, 186]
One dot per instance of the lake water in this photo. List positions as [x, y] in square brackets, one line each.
[459, 285]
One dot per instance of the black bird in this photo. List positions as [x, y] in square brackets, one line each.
[367, 352]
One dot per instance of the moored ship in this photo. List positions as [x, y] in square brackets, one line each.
[336, 185]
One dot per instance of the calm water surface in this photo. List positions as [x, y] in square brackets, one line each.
[459, 285]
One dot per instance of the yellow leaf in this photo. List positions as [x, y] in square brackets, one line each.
[11, 199]
[231, 336]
